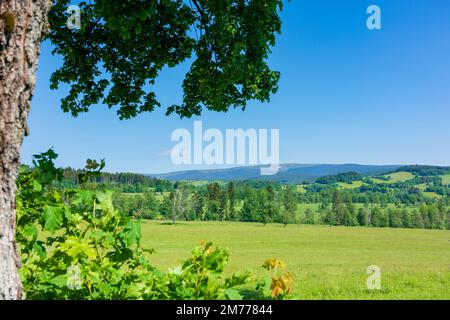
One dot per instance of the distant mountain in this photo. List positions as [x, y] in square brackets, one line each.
[288, 173]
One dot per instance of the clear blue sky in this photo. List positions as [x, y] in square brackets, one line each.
[347, 95]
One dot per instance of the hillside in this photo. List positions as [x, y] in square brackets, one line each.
[288, 173]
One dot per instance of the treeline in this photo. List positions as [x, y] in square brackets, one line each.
[402, 192]
[347, 177]
[342, 211]
[214, 203]
[421, 170]
[130, 182]
[406, 193]
[372, 204]
[269, 204]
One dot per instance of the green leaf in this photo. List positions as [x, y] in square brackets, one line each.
[267, 291]
[37, 186]
[178, 270]
[105, 200]
[59, 281]
[84, 197]
[75, 247]
[233, 294]
[39, 248]
[53, 218]
[30, 231]
[133, 232]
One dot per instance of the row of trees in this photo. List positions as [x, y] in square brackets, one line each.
[433, 216]
[128, 182]
[221, 204]
[272, 205]
[382, 194]
[400, 193]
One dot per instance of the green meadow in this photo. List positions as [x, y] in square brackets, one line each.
[399, 176]
[446, 179]
[327, 262]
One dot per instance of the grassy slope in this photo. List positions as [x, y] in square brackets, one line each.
[399, 176]
[446, 179]
[353, 185]
[378, 181]
[432, 195]
[301, 188]
[327, 262]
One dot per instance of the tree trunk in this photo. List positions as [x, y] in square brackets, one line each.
[22, 24]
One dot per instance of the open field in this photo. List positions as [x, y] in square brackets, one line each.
[432, 195]
[399, 176]
[446, 179]
[378, 181]
[327, 262]
[353, 185]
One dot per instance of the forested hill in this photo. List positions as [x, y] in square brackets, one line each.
[133, 182]
[288, 173]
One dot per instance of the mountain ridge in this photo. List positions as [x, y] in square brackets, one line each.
[289, 172]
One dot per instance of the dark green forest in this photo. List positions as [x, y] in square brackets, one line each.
[376, 201]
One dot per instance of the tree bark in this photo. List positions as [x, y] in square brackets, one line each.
[22, 25]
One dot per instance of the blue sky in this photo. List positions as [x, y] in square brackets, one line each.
[347, 95]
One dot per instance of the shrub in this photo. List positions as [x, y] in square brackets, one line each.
[75, 245]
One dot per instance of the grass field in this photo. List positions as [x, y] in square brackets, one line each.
[353, 185]
[446, 179]
[399, 176]
[432, 195]
[327, 262]
[378, 181]
[302, 207]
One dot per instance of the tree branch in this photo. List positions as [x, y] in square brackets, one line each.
[199, 9]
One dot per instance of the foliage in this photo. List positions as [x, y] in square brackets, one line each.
[141, 205]
[75, 245]
[290, 206]
[421, 170]
[271, 203]
[93, 170]
[199, 277]
[347, 177]
[124, 181]
[121, 47]
[281, 284]
[86, 250]
[181, 206]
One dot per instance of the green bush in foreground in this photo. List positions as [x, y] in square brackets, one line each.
[88, 250]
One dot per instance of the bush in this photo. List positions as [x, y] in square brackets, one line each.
[75, 245]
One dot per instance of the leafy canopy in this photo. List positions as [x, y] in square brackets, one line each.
[117, 54]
